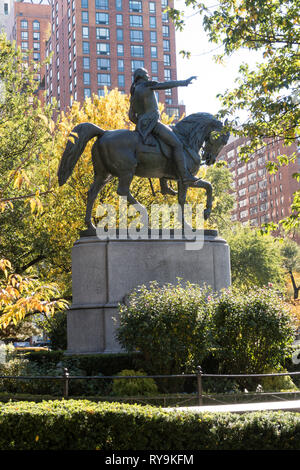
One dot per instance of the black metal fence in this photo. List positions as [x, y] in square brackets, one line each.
[65, 379]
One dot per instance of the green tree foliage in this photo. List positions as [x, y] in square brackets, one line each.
[24, 136]
[290, 253]
[268, 94]
[255, 257]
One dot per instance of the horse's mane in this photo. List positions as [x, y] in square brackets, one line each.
[193, 129]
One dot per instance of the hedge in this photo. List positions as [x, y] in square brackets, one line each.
[84, 425]
[91, 364]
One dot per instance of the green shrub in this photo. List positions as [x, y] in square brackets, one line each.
[168, 324]
[253, 331]
[84, 425]
[91, 364]
[279, 383]
[132, 387]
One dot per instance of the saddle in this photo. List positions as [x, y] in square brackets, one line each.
[153, 144]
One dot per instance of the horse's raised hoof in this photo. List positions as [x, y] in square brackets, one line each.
[169, 191]
[90, 231]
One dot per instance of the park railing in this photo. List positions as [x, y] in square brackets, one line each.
[199, 376]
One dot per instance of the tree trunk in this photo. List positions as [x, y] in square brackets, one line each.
[296, 289]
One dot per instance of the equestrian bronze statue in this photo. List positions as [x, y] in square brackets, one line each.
[152, 150]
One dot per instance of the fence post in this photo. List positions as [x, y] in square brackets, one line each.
[199, 385]
[66, 382]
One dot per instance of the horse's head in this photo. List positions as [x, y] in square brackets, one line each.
[213, 143]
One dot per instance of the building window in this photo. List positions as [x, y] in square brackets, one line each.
[5, 9]
[85, 47]
[121, 81]
[152, 22]
[244, 214]
[136, 35]
[165, 31]
[165, 16]
[36, 36]
[84, 3]
[24, 35]
[86, 63]
[252, 188]
[135, 6]
[102, 33]
[153, 37]
[119, 34]
[120, 49]
[84, 16]
[103, 64]
[37, 56]
[119, 6]
[242, 181]
[173, 112]
[85, 32]
[102, 18]
[136, 21]
[101, 4]
[36, 46]
[137, 51]
[253, 199]
[101, 92]
[103, 48]
[137, 64]
[242, 192]
[167, 74]
[36, 25]
[164, 3]
[166, 45]
[87, 92]
[152, 7]
[86, 78]
[153, 51]
[167, 60]
[104, 79]
[120, 65]
[24, 24]
[24, 45]
[154, 68]
[252, 177]
[119, 20]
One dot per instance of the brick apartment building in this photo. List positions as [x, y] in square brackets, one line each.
[260, 196]
[99, 43]
[29, 26]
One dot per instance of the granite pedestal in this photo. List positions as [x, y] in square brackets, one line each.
[105, 271]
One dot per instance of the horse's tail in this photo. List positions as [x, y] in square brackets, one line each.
[81, 134]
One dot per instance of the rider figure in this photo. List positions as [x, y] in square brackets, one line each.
[144, 113]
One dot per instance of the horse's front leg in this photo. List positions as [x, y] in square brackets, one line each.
[209, 199]
[182, 190]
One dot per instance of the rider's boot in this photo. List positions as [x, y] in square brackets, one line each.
[185, 176]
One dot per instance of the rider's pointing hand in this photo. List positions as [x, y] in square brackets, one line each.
[189, 80]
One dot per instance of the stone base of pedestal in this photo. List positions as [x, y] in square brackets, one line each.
[105, 271]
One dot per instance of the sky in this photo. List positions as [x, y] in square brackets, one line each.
[200, 96]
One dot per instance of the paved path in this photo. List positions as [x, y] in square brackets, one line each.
[293, 405]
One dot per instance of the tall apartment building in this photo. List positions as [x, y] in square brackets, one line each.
[260, 196]
[99, 43]
[29, 26]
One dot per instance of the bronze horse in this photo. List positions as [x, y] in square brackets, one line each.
[122, 154]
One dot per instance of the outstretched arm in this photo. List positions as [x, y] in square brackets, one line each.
[171, 84]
